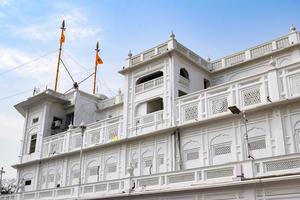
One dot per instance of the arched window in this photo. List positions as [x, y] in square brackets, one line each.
[149, 77]
[111, 168]
[256, 142]
[221, 149]
[297, 136]
[74, 175]
[191, 154]
[92, 172]
[184, 73]
[147, 162]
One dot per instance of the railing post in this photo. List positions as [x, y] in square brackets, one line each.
[293, 38]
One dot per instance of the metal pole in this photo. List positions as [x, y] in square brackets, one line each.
[1, 172]
[82, 127]
[95, 71]
[246, 135]
[59, 54]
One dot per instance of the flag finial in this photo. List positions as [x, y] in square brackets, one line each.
[129, 54]
[97, 47]
[172, 36]
[63, 26]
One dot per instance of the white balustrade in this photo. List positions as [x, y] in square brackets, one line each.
[96, 133]
[206, 175]
[149, 85]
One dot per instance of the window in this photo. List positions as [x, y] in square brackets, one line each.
[148, 162]
[111, 168]
[32, 143]
[155, 105]
[35, 120]
[191, 154]
[69, 119]
[135, 163]
[51, 178]
[149, 77]
[27, 182]
[56, 123]
[184, 73]
[93, 171]
[223, 149]
[257, 144]
[160, 159]
[181, 93]
[206, 83]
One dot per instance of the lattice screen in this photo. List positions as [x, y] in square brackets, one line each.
[219, 105]
[191, 112]
[257, 144]
[251, 96]
[219, 173]
[222, 149]
[282, 165]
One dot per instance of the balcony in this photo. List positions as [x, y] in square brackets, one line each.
[246, 93]
[233, 173]
[149, 85]
[147, 123]
[97, 133]
[184, 82]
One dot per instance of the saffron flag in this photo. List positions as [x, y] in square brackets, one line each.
[99, 61]
[62, 38]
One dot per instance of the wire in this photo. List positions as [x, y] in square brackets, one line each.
[27, 63]
[80, 82]
[29, 90]
[67, 70]
[73, 59]
[16, 94]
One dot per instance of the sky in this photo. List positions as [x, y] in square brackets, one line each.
[29, 36]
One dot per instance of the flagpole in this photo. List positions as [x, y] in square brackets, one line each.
[59, 54]
[95, 72]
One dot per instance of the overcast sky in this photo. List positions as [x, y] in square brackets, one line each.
[30, 29]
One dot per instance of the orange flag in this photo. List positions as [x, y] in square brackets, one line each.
[99, 61]
[62, 38]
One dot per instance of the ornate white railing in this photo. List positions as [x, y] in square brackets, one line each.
[244, 93]
[111, 102]
[149, 85]
[97, 133]
[255, 52]
[215, 100]
[147, 123]
[227, 173]
[184, 82]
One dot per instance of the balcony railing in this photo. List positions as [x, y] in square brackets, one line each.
[149, 85]
[245, 93]
[255, 52]
[97, 133]
[202, 176]
[149, 122]
[184, 82]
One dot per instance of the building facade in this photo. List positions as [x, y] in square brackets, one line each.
[185, 128]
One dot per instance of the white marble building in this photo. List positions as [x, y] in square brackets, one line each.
[171, 134]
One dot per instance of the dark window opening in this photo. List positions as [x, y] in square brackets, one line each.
[35, 120]
[149, 77]
[28, 182]
[206, 83]
[32, 144]
[56, 123]
[69, 119]
[155, 105]
[184, 73]
[181, 93]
